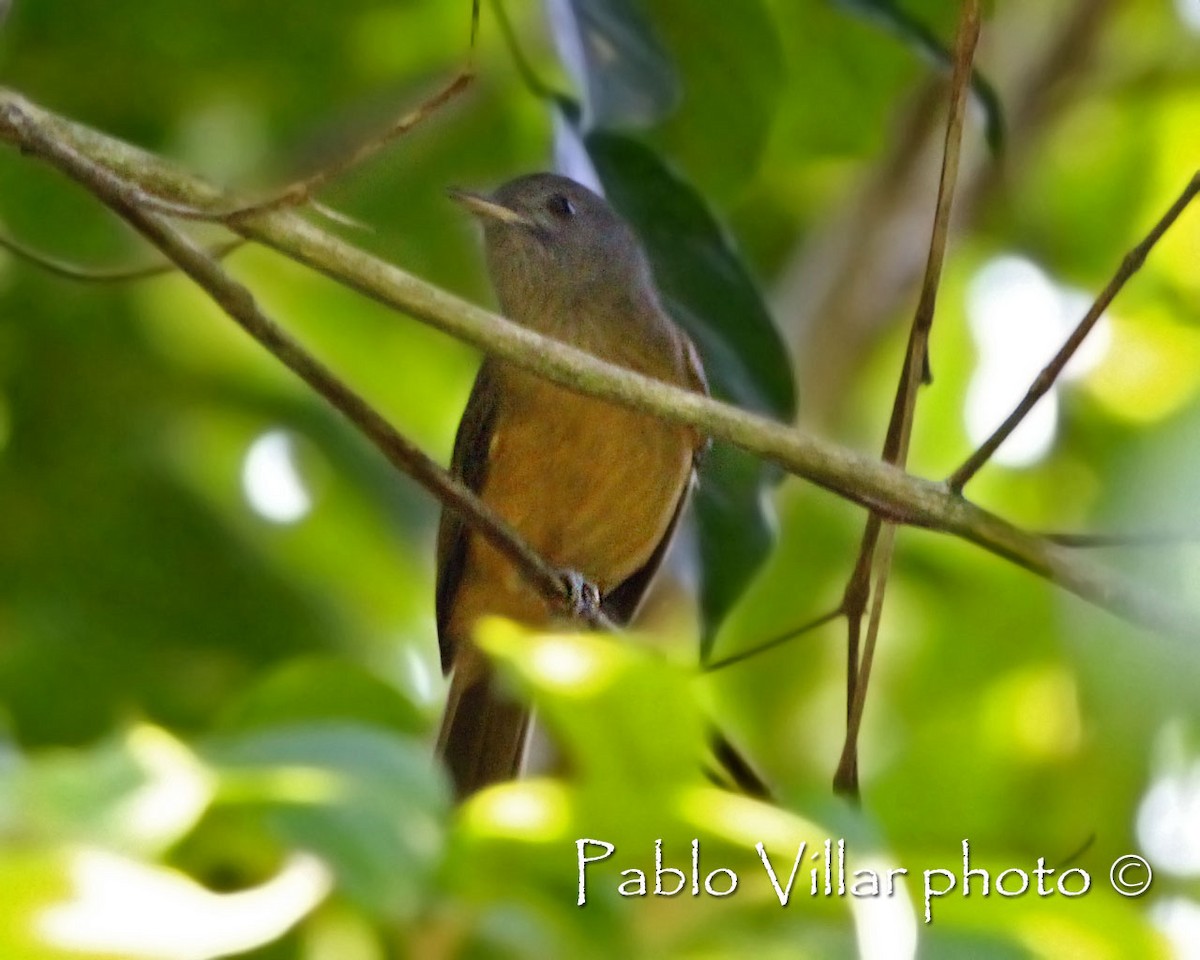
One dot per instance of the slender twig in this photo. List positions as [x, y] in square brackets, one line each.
[863, 480]
[301, 191]
[237, 301]
[878, 544]
[1148, 538]
[1045, 380]
[72, 271]
[1076, 854]
[775, 641]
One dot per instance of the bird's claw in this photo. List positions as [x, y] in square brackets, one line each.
[583, 597]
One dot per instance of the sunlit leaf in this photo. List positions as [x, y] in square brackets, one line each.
[599, 697]
[141, 911]
[29, 881]
[139, 792]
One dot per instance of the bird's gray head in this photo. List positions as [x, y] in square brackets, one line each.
[555, 248]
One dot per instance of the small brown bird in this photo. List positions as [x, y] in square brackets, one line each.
[595, 487]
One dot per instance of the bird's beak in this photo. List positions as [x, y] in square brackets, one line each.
[481, 206]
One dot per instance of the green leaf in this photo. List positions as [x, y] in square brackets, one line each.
[709, 291]
[137, 793]
[369, 803]
[600, 697]
[30, 880]
[886, 15]
[731, 65]
[325, 688]
[625, 76]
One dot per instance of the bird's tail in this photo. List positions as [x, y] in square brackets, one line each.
[483, 734]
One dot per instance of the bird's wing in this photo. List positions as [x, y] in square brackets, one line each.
[468, 464]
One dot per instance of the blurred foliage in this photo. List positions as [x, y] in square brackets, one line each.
[217, 725]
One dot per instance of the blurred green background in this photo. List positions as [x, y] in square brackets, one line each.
[218, 667]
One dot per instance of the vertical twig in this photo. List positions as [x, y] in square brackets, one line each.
[878, 537]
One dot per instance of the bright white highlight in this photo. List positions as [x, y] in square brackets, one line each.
[886, 927]
[518, 810]
[271, 479]
[177, 789]
[563, 663]
[1179, 920]
[142, 912]
[1189, 13]
[1168, 822]
[420, 677]
[533, 811]
[1019, 319]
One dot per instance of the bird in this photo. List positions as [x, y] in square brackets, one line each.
[595, 487]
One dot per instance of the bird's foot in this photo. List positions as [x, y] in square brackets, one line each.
[583, 597]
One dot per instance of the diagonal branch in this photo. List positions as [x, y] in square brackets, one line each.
[855, 477]
[240, 305]
[879, 538]
[1050, 373]
[1134, 538]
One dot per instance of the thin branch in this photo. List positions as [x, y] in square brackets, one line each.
[860, 479]
[301, 191]
[237, 301]
[72, 271]
[1045, 380]
[1150, 538]
[877, 546]
[1075, 855]
[775, 641]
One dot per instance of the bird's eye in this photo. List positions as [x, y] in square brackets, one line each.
[560, 206]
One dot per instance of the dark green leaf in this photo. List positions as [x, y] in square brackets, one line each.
[626, 76]
[730, 66]
[887, 15]
[700, 274]
[735, 534]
